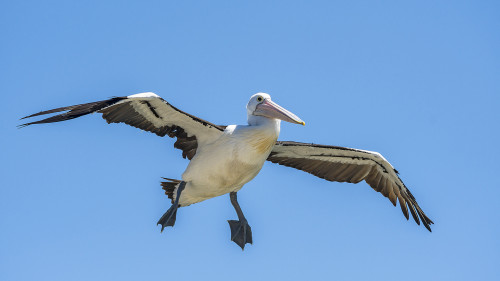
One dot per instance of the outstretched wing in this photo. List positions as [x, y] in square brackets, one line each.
[334, 163]
[148, 112]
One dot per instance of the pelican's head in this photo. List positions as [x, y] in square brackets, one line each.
[261, 104]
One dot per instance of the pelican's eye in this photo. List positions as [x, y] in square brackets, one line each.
[259, 99]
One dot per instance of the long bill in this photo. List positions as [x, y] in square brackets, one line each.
[270, 109]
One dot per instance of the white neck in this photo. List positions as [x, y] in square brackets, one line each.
[264, 122]
[254, 120]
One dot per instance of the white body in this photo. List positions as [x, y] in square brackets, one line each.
[230, 161]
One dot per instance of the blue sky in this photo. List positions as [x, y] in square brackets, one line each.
[417, 81]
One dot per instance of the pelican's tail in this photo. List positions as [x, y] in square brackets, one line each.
[170, 186]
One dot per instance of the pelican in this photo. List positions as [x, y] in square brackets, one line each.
[224, 158]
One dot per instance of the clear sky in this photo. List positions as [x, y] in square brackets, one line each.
[417, 81]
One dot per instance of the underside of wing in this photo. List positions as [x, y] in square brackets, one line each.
[342, 164]
[145, 111]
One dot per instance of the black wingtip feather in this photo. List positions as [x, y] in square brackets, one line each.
[413, 212]
[66, 108]
[73, 111]
[425, 220]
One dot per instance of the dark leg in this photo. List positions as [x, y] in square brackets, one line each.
[168, 219]
[241, 233]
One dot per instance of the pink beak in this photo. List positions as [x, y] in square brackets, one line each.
[270, 109]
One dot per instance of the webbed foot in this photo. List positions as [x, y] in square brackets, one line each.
[241, 232]
[168, 219]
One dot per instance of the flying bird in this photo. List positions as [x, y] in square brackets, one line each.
[224, 158]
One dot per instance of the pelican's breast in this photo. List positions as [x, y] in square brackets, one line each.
[262, 142]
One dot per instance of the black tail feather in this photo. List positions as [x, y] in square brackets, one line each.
[169, 187]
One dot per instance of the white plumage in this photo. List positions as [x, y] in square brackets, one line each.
[228, 163]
